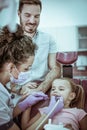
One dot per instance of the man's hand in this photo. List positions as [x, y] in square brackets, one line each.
[29, 88]
[31, 85]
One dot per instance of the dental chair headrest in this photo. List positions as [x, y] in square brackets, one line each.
[66, 58]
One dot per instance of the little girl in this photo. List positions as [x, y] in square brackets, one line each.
[73, 111]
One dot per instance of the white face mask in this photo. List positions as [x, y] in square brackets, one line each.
[22, 77]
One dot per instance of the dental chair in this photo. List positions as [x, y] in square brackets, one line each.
[66, 59]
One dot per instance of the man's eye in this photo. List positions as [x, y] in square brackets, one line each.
[27, 15]
[37, 16]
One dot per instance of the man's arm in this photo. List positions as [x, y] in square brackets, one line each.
[55, 72]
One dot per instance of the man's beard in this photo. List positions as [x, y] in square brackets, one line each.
[27, 29]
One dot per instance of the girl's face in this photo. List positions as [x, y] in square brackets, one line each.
[26, 65]
[62, 88]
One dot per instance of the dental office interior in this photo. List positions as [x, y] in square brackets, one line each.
[66, 21]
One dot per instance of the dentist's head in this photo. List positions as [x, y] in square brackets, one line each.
[16, 50]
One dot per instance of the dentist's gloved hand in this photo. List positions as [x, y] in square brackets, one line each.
[53, 101]
[31, 100]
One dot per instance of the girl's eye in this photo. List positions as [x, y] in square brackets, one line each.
[52, 89]
[61, 89]
[26, 69]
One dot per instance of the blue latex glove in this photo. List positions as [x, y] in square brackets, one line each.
[32, 99]
[53, 101]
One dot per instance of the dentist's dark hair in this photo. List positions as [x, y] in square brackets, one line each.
[15, 47]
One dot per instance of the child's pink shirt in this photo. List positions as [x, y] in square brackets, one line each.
[68, 116]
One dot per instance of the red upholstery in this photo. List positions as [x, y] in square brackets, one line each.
[77, 81]
[66, 57]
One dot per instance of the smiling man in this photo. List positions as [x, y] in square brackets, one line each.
[44, 67]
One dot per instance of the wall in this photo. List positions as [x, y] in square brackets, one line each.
[63, 13]
[82, 72]
[65, 37]
[60, 18]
